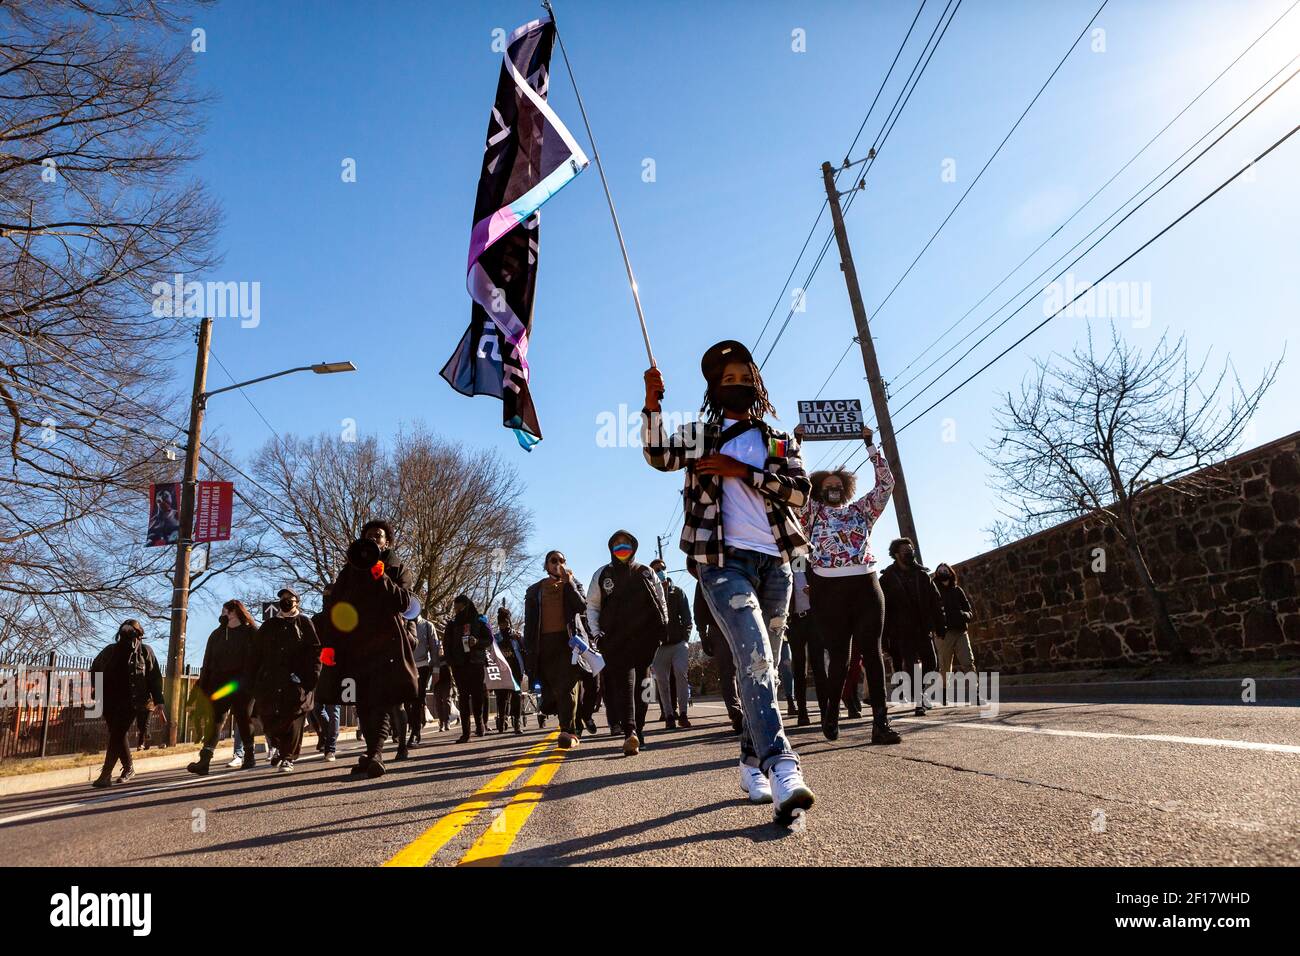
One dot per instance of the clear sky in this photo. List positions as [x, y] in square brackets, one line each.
[737, 124]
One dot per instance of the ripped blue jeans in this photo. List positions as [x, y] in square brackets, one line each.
[749, 599]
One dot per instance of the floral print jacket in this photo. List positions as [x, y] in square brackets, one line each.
[842, 536]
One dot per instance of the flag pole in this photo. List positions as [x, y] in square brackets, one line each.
[609, 198]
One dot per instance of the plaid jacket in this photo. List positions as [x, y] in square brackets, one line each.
[781, 481]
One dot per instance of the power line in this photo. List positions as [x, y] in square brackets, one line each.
[245, 394]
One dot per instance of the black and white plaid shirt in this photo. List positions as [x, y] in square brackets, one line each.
[781, 481]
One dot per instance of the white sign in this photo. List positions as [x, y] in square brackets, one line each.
[826, 418]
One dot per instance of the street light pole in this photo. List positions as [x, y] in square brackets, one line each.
[181, 577]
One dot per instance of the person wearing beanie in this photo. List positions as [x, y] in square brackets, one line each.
[128, 674]
[468, 637]
[744, 486]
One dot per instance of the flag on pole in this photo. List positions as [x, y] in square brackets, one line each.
[529, 157]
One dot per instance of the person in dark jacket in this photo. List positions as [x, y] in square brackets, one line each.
[554, 609]
[714, 644]
[427, 650]
[285, 666]
[954, 641]
[224, 683]
[913, 613]
[442, 681]
[367, 605]
[327, 698]
[467, 638]
[509, 702]
[131, 681]
[672, 659]
[626, 613]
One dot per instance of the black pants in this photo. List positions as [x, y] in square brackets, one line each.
[727, 675]
[415, 709]
[510, 705]
[588, 696]
[805, 649]
[241, 706]
[284, 733]
[473, 695]
[375, 722]
[442, 697]
[625, 685]
[851, 610]
[918, 658]
[561, 678]
[119, 728]
[142, 721]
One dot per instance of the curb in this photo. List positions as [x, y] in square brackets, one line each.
[1269, 691]
[52, 779]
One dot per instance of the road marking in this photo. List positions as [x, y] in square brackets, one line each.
[1098, 735]
[490, 849]
[424, 847]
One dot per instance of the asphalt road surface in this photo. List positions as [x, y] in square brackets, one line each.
[1077, 784]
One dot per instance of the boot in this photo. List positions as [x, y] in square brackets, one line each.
[103, 781]
[250, 761]
[882, 733]
[200, 766]
[684, 722]
[375, 768]
[501, 724]
[479, 730]
[464, 734]
[803, 719]
[790, 710]
[831, 725]
[518, 729]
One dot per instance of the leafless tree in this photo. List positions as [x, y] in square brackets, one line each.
[1090, 434]
[97, 124]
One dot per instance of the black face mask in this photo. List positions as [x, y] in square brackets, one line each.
[735, 398]
[286, 604]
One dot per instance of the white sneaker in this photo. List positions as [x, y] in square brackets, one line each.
[237, 762]
[754, 785]
[329, 755]
[790, 795]
[286, 766]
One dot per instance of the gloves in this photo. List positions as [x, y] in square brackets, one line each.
[327, 656]
[377, 570]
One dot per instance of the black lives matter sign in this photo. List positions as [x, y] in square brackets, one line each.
[831, 418]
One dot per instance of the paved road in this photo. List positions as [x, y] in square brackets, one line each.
[1037, 784]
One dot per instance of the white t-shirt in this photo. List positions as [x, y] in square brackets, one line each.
[744, 514]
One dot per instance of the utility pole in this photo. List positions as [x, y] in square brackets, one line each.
[184, 543]
[879, 400]
[659, 544]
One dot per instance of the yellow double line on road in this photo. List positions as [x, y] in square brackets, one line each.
[489, 849]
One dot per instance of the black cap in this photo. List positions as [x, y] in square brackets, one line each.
[717, 358]
[283, 591]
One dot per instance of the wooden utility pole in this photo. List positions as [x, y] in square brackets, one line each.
[184, 540]
[879, 400]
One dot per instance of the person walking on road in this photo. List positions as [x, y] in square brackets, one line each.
[554, 609]
[627, 616]
[224, 683]
[957, 615]
[327, 699]
[844, 588]
[128, 672]
[442, 681]
[509, 702]
[913, 613]
[367, 608]
[806, 650]
[285, 665]
[714, 644]
[672, 659]
[467, 638]
[427, 649]
[744, 485]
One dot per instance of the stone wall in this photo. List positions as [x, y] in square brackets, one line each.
[1226, 561]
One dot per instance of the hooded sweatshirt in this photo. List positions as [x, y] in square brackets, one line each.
[626, 608]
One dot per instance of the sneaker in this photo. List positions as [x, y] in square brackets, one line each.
[249, 761]
[236, 760]
[754, 785]
[567, 741]
[126, 775]
[920, 711]
[790, 794]
[591, 726]
[275, 758]
[684, 723]
[363, 764]
[330, 756]
[286, 766]
[631, 746]
[102, 782]
[882, 733]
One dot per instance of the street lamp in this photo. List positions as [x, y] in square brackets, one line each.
[181, 577]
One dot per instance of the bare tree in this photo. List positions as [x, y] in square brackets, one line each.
[97, 122]
[1089, 435]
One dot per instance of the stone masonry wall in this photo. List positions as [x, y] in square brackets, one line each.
[1227, 563]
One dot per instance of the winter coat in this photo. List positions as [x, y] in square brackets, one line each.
[956, 609]
[575, 610]
[626, 610]
[913, 608]
[132, 678]
[285, 665]
[466, 643]
[373, 646]
[226, 658]
[679, 614]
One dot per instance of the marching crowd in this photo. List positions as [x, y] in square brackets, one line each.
[785, 581]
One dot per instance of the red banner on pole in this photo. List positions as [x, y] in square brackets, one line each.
[213, 507]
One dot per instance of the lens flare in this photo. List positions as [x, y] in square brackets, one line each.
[344, 617]
[225, 690]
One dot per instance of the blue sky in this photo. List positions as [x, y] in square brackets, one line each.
[737, 124]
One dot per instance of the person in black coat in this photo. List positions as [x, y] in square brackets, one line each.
[913, 613]
[954, 641]
[224, 683]
[285, 665]
[373, 649]
[509, 702]
[467, 638]
[554, 608]
[128, 673]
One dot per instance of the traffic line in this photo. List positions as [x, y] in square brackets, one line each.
[490, 849]
[1099, 735]
[424, 847]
